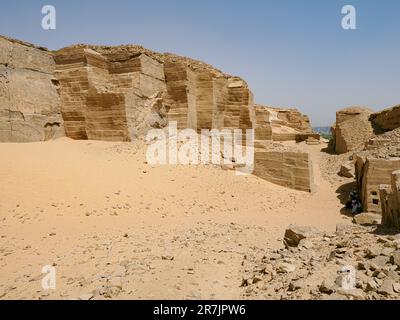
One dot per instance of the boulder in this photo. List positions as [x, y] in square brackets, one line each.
[327, 286]
[367, 219]
[294, 234]
[387, 288]
[354, 294]
[285, 268]
[347, 170]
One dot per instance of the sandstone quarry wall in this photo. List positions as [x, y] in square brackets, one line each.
[106, 96]
[29, 99]
[291, 169]
[119, 93]
[390, 196]
[279, 124]
[200, 99]
[370, 174]
[352, 129]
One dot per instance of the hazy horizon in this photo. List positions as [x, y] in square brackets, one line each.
[291, 54]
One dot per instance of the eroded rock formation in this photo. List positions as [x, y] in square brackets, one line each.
[119, 93]
[352, 129]
[29, 99]
[390, 196]
[388, 119]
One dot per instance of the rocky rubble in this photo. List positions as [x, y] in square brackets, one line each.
[354, 263]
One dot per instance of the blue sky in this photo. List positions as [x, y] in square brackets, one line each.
[291, 52]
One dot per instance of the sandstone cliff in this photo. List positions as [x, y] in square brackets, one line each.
[119, 93]
[29, 99]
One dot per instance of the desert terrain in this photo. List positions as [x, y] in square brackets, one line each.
[97, 212]
[316, 219]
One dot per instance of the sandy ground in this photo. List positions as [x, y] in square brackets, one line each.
[114, 226]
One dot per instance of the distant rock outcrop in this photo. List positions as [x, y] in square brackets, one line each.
[388, 119]
[352, 129]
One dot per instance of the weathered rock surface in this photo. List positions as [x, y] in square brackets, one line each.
[390, 198]
[107, 96]
[367, 218]
[352, 129]
[119, 93]
[280, 124]
[295, 234]
[29, 99]
[347, 170]
[371, 173]
[388, 119]
[284, 166]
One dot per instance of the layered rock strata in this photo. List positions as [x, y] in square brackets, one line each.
[119, 93]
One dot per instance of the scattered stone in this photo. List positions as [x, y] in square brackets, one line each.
[371, 286]
[285, 268]
[347, 170]
[354, 294]
[373, 252]
[327, 287]
[367, 219]
[387, 287]
[294, 234]
[395, 258]
[307, 244]
[296, 285]
[342, 229]
[379, 262]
